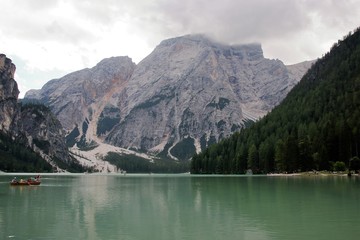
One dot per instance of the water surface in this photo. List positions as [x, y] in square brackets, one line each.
[181, 207]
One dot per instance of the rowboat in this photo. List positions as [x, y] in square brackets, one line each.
[30, 181]
[25, 183]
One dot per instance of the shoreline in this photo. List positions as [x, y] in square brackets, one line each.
[313, 173]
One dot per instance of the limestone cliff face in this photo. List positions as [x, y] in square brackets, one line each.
[33, 125]
[296, 71]
[80, 97]
[8, 93]
[188, 93]
[40, 130]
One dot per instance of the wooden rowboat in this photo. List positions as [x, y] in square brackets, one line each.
[28, 182]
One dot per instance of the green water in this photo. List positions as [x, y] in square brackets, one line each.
[181, 207]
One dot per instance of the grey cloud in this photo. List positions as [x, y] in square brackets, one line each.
[37, 5]
[269, 22]
[67, 32]
[104, 12]
[234, 21]
[227, 20]
[34, 21]
[273, 22]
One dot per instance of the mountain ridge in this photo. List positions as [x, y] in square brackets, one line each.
[190, 91]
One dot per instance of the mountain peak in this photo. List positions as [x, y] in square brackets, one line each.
[114, 61]
[190, 39]
[251, 51]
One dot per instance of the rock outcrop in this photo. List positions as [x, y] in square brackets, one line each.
[8, 93]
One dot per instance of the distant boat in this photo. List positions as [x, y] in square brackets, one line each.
[30, 181]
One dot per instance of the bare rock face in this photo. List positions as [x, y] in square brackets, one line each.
[188, 93]
[40, 130]
[81, 96]
[8, 93]
[33, 125]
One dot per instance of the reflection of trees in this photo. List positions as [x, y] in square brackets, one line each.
[221, 207]
[276, 206]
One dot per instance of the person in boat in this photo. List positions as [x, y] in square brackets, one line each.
[14, 180]
[37, 178]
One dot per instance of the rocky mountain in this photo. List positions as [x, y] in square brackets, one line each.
[31, 125]
[78, 95]
[188, 93]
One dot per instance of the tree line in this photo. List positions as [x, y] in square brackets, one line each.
[135, 164]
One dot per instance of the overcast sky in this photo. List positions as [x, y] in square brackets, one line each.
[47, 39]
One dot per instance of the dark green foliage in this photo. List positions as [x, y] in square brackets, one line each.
[85, 126]
[221, 125]
[203, 142]
[83, 145]
[106, 124]
[135, 164]
[44, 145]
[223, 102]
[32, 104]
[212, 140]
[235, 127]
[72, 166]
[108, 119]
[37, 109]
[151, 102]
[339, 166]
[184, 149]
[220, 158]
[354, 164]
[165, 94]
[71, 138]
[316, 125]
[164, 153]
[248, 123]
[14, 157]
[187, 122]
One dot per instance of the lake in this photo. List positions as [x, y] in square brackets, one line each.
[180, 207]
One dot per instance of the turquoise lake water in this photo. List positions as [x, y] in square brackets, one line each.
[181, 207]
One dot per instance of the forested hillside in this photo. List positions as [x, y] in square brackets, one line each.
[316, 126]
